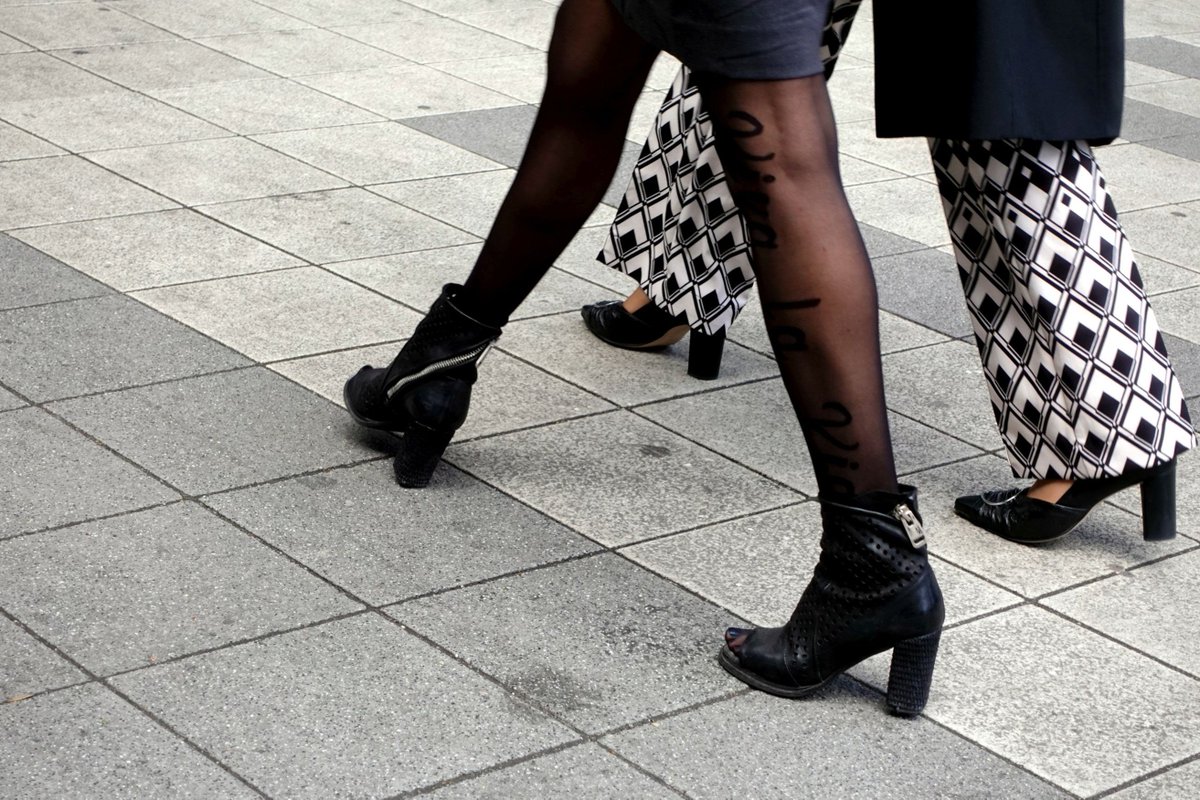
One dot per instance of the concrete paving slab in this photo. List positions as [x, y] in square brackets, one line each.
[11, 45]
[599, 641]
[1166, 233]
[529, 24]
[9, 401]
[1185, 358]
[138, 589]
[159, 65]
[1179, 782]
[302, 52]
[337, 226]
[59, 25]
[838, 743]
[499, 134]
[943, 386]
[586, 772]
[100, 344]
[908, 207]
[28, 667]
[16, 144]
[384, 543]
[207, 434]
[923, 287]
[1142, 608]
[327, 13]
[1187, 145]
[39, 76]
[1108, 542]
[114, 119]
[1161, 277]
[210, 17]
[88, 742]
[426, 37]
[1141, 177]
[1144, 122]
[562, 346]
[264, 106]
[617, 478]
[384, 712]
[32, 277]
[758, 566]
[408, 91]
[1176, 312]
[142, 251]
[67, 189]
[309, 311]
[1062, 730]
[1182, 95]
[522, 77]
[376, 153]
[57, 476]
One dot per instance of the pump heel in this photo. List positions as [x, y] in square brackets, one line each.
[704, 354]
[912, 674]
[1158, 505]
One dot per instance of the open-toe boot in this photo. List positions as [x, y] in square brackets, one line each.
[425, 392]
[873, 590]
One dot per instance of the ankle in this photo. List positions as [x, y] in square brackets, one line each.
[1049, 490]
[479, 309]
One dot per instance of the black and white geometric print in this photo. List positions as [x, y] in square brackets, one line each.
[1075, 362]
[677, 231]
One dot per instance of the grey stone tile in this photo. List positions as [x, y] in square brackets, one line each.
[510, 394]
[207, 434]
[1144, 121]
[53, 26]
[458, 8]
[499, 134]
[1166, 233]
[426, 37]
[1108, 542]
[327, 13]
[87, 742]
[32, 277]
[626, 644]
[65, 189]
[881, 243]
[27, 666]
[1180, 782]
[943, 386]
[754, 424]
[906, 156]
[216, 170]
[586, 772]
[758, 566]
[275, 315]
[853, 96]
[17, 144]
[408, 91]
[522, 77]
[924, 287]
[1137, 74]
[1158, 17]
[101, 344]
[111, 119]
[144, 250]
[1182, 95]
[1161, 277]
[443, 537]
[416, 279]
[383, 712]
[303, 52]
[338, 225]
[1000, 682]
[56, 476]
[11, 45]
[210, 17]
[1141, 608]
[159, 65]
[529, 24]
[617, 478]
[562, 345]
[1164, 53]
[908, 207]
[579, 258]
[1176, 313]
[375, 153]
[838, 743]
[264, 106]
[1185, 358]
[126, 592]
[470, 201]
[1140, 177]
[9, 401]
[1187, 146]
[37, 76]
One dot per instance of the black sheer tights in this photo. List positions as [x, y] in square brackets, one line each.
[596, 69]
[778, 144]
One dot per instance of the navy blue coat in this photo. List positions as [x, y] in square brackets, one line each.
[997, 69]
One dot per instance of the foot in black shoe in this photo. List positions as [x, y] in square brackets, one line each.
[1013, 515]
[648, 328]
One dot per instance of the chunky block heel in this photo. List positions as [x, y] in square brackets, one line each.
[911, 674]
[1158, 505]
[704, 354]
[419, 455]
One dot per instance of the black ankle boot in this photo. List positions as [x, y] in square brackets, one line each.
[426, 391]
[873, 590]
[1012, 514]
[651, 328]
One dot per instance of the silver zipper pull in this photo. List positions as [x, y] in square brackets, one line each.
[912, 525]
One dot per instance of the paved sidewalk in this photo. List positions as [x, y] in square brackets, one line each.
[213, 211]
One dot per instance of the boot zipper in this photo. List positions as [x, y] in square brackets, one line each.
[437, 366]
[912, 525]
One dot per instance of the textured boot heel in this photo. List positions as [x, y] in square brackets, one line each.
[911, 674]
[1158, 505]
[419, 454]
[704, 355]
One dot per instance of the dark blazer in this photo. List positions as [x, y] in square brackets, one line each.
[998, 69]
